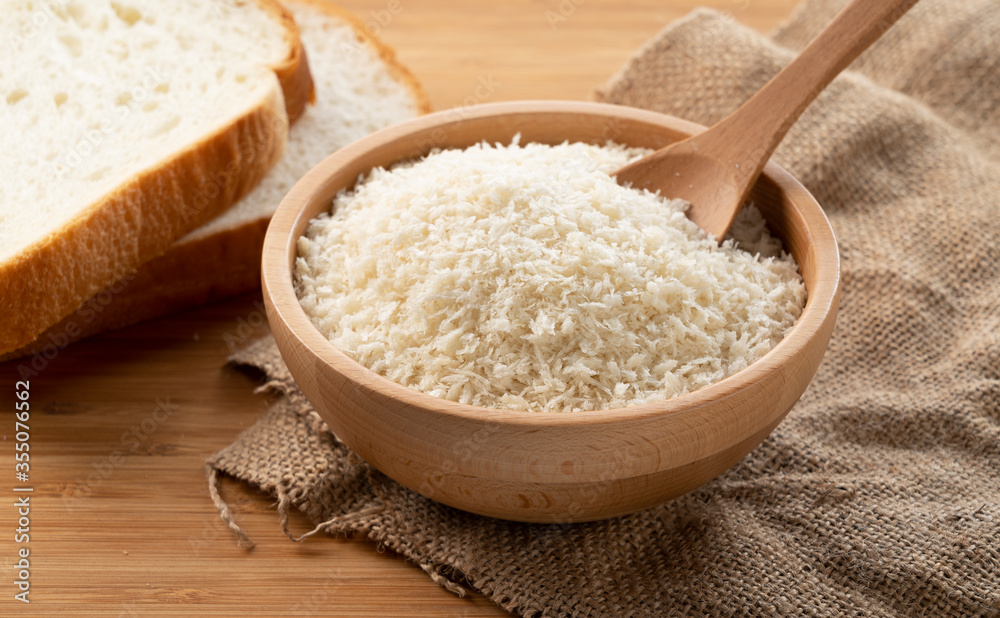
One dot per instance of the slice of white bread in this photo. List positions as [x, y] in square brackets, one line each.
[126, 124]
[360, 88]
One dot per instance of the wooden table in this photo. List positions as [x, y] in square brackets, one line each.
[121, 522]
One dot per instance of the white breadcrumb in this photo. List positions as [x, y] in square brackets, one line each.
[525, 278]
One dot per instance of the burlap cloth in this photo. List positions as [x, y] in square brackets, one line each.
[879, 495]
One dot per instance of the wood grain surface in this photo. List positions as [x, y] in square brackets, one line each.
[121, 523]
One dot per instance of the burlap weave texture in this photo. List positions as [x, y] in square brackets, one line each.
[879, 495]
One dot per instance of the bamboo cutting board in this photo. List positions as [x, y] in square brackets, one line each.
[121, 523]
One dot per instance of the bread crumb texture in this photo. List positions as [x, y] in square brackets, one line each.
[93, 93]
[525, 278]
[357, 93]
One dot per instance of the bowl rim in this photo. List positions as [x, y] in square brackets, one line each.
[280, 249]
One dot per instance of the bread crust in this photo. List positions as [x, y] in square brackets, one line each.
[140, 219]
[293, 73]
[192, 273]
[199, 271]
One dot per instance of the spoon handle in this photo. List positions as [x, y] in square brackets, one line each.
[714, 170]
[756, 128]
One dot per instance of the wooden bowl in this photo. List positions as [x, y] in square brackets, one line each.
[547, 467]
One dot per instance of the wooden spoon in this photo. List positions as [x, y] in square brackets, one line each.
[715, 169]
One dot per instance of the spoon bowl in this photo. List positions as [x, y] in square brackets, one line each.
[547, 467]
